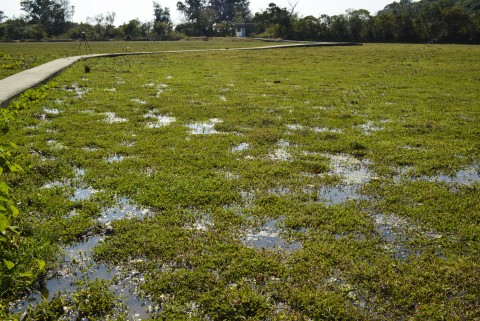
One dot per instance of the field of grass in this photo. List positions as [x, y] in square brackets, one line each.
[19, 56]
[294, 184]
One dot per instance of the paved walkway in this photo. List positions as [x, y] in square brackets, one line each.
[13, 86]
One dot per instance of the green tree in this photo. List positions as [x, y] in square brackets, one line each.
[227, 10]
[162, 25]
[307, 28]
[52, 15]
[359, 24]
[192, 10]
[2, 16]
[275, 22]
[459, 25]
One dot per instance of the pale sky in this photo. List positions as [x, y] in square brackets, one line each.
[127, 10]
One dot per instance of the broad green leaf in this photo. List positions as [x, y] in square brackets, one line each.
[9, 264]
[4, 223]
[3, 188]
[26, 275]
[41, 264]
[14, 210]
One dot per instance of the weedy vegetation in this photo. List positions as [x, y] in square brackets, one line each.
[295, 184]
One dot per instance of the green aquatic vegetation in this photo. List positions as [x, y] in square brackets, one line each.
[358, 165]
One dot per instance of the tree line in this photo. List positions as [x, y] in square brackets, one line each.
[449, 21]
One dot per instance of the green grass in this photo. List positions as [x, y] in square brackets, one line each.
[393, 109]
[19, 56]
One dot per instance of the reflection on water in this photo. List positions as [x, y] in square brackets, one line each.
[268, 237]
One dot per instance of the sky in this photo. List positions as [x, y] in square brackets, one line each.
[127, 10]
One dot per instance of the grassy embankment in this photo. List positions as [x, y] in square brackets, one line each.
[360, 164]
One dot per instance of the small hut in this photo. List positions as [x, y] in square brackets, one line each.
[244, 29]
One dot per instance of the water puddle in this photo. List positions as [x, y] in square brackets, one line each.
[161, 89]
[268, 237]
[79, 91]
[54, 184]
[82, 194]
[54, 144]
[160, 120]
[51, 111]
[205, 128]
[327, 130]
[240, 148]
[115, 158]
[139, 101]
[111, 118]
[370, 127]
[295, 127]
[90, 149]
[123, 209]
[281, 153]
[351, 170]
[338, 194]
[43, 157]
[393, 229]
[77, 265]
[467, 176]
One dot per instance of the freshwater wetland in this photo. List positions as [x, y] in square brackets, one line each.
[338, 183]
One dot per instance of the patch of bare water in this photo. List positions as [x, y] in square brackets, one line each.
[54, 144]
[281, 153]
[78, 91]
[138, 101]
[123, 209]
[77, 265]
[160, 120]
[295, 127]
[351, 170]
[338, 194]
[467, 176]
[394, 231]
[268, 237]
[51, 111]
[115, 158]
[42, 155]
[161, 89]
[240, 148]
[205, 128]
[111, 118]
[90, 149]
[54, 184]
[81, 194]
[369, 127]
[327, 130]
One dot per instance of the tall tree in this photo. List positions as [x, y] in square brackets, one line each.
[275, 22]
[227, 10]
[191, 9]
[2, 16]
[162, 25]
[161, 14]
[52, 15]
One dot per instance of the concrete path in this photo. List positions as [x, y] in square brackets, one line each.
[13, 86]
